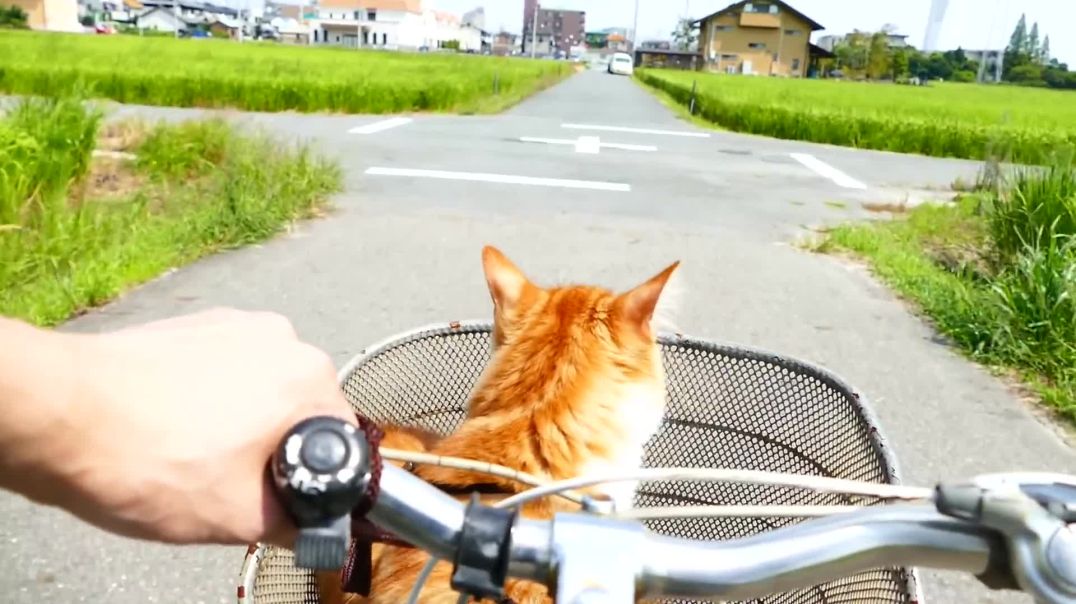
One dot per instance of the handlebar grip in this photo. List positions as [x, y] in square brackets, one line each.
[321, 470]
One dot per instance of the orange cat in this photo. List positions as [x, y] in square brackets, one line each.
[575, 386]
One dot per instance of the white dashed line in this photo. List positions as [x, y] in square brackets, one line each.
[502, 178]
[380, 126]
[828, 171]
[575, 141]
[635, 130]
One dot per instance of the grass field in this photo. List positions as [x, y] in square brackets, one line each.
[266, 76]
[77, 229]
[970, 121]
[996, 273]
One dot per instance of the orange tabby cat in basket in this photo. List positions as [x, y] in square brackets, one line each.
[575, 386]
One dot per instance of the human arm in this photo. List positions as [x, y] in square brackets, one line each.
[161, 431]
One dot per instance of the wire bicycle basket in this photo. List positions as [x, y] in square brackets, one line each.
[728, 407]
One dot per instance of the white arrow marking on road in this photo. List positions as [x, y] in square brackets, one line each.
[381, 125]
[575, 142]
[636, 130]
[588, 144]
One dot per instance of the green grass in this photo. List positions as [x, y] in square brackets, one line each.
[1026, 125]
[195, 188]
[267, 77]
[994, 273]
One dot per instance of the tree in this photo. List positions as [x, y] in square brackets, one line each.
[1033, 41]
[685, 35]
[1018, 41]
[13, 17]
[900, 64]
[853, 53]
[878, 57]
[1044, 51]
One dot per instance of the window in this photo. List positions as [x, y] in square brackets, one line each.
[365, 38]
[760, 7]
[385, 40]
[792, 32]
[722, 28]
[795, 64]
[371, 15]
[757, 45]
[357, 15]
[728, 57]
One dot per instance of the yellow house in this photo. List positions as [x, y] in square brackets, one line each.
[50, 15]
[766, 37]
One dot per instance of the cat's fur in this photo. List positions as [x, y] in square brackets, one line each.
[575, 386]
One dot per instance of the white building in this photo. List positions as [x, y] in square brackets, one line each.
[476, 17]
[388, 24]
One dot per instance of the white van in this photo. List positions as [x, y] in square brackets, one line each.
[621, 63]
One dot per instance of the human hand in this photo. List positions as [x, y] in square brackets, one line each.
[177, 420]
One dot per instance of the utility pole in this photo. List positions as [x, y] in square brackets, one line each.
[635, 28]
[534, 30]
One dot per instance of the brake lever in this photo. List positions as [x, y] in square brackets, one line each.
[321, 471]
[1033, 511]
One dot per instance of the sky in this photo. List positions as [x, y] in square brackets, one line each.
[971, 24]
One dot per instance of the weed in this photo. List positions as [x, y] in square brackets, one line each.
[71, 242]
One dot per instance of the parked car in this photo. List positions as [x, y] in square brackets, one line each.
[621, 63]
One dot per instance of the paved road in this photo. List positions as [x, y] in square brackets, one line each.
[400, 251]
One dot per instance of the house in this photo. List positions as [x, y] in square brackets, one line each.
[290, 31]
[830, 42]
[49, 15]
[505, 43]
[387, 24]
[368, 23]
[166, 20]
[226, 27]
[759, 37]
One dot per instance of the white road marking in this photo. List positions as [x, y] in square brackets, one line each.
[828, 171]
[501, 178]
[574, 141]
[635, 130]
[588, 144]
[380, 126]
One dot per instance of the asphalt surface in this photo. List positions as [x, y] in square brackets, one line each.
[401, 251]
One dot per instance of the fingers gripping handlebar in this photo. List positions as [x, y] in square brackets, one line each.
[1010, 530]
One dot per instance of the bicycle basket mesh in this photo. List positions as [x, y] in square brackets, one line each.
[728, 407]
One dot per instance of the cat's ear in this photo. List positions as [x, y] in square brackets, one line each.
[506, 282]
[639, 303]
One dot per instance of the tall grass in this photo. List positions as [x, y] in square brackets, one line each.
[945, 120]
[266, 77]
[196, 187]
[1017, 308]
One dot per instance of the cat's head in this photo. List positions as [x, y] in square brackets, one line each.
[607, 331]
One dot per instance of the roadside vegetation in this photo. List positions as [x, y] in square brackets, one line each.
[266, 77]
[1024, 125]
[79, 227]
[996, 272]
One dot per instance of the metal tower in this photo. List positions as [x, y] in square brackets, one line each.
[934, 23]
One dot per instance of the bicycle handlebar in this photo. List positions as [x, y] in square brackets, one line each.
[1009, 530]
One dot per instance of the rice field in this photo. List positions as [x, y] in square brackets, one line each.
[969, 121]
[266, 76]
